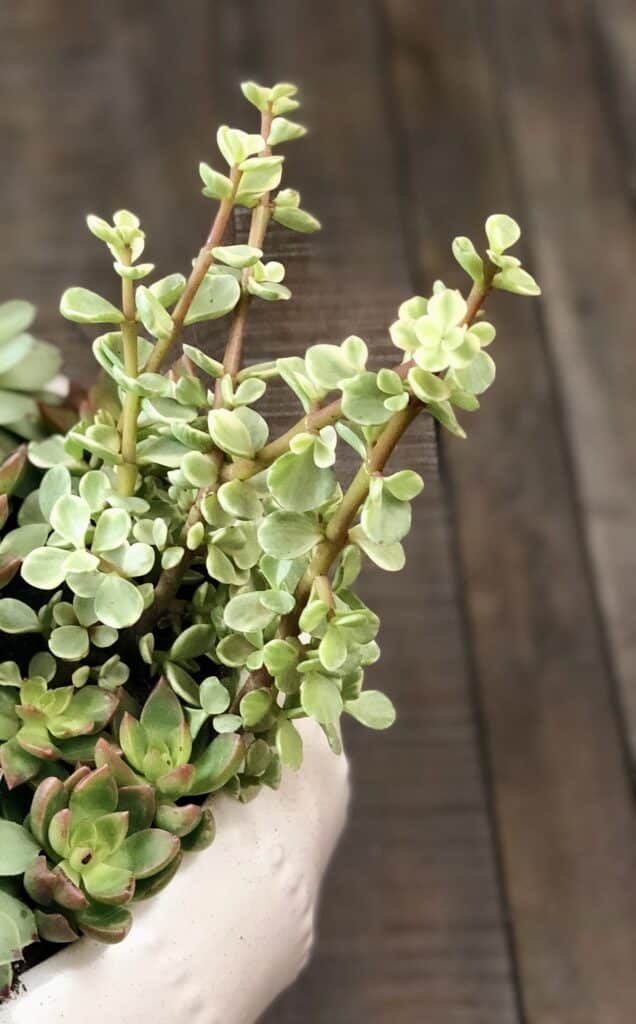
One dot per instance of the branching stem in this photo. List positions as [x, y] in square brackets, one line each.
[258, 229]
[329, 414]
[127, 471]
[170, 579]
[202, 264]
[337, 531]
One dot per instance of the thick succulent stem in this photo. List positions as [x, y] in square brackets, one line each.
[258, 229]
[329, 414]
[337, 530]
[202, 264]
[127, 471]
[170, 579]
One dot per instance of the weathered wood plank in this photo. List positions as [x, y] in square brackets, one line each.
[583, 234]
[615, 53]
[411, 920]
[562, 799]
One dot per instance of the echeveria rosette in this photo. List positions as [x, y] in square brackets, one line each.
[100, 853]
[157, 748]
[49, 724]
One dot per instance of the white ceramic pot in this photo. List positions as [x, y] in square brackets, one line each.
[231, 931]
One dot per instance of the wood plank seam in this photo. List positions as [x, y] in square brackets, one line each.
[384, 41]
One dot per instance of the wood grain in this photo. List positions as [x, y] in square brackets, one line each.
[111, 106]
[562, 798]
[613, 41]
[572, 175]
[509, 642]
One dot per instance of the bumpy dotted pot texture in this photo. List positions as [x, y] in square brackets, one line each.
[231, 931]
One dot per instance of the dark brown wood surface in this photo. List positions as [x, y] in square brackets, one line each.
[488, 875]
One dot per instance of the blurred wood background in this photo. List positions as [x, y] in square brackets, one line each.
[488, 875]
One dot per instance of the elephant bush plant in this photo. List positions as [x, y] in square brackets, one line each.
[178, 585]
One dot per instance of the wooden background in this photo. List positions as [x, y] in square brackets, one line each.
[489, 872]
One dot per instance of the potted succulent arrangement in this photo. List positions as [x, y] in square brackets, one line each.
[178, 618]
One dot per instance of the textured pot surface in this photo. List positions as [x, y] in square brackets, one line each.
[231, 931]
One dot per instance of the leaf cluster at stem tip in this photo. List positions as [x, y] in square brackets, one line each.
[179, 587]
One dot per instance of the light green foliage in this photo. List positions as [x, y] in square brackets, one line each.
[99, 853]
[287, 212]
[179, 588]
[27, 369]
[303, 479]
[18, 927]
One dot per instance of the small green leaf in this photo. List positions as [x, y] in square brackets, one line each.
[502, 231]
[107, 883]
[168, 289]
[18, 848]
[86, 307]
[14, 407]
[215, 185]
[227, 723]
[55, 484]
[427, 386]
[236, 145]
[478, 375]
[162, 715]
[230, 433]
[17, 765]
[22, 919]
[444, 414]
[516, 280]
[238, 256]
[256, 94]
[148, 852]
[70, 517]
[199, 469]
[204, 362]
[468, 259]
[246, 613]
[118, 602]
[45, 568]
[270, 291]
[254, 706]
[70, 643]
[96, 794]
[193, 642]
[217, 296]
[113, 527]
[218, 764]
[16, 316]
[289, 744]
[239, 499]
[17, 617]
[214, 697]
[363, 401]
[297, 220]
[297, 483]
[288, 534]
[372, 709]
[321, 699]
[328, 365]
[152, 313]
[446, 309]
[390, 557]
[105, 924]
[283, 130]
